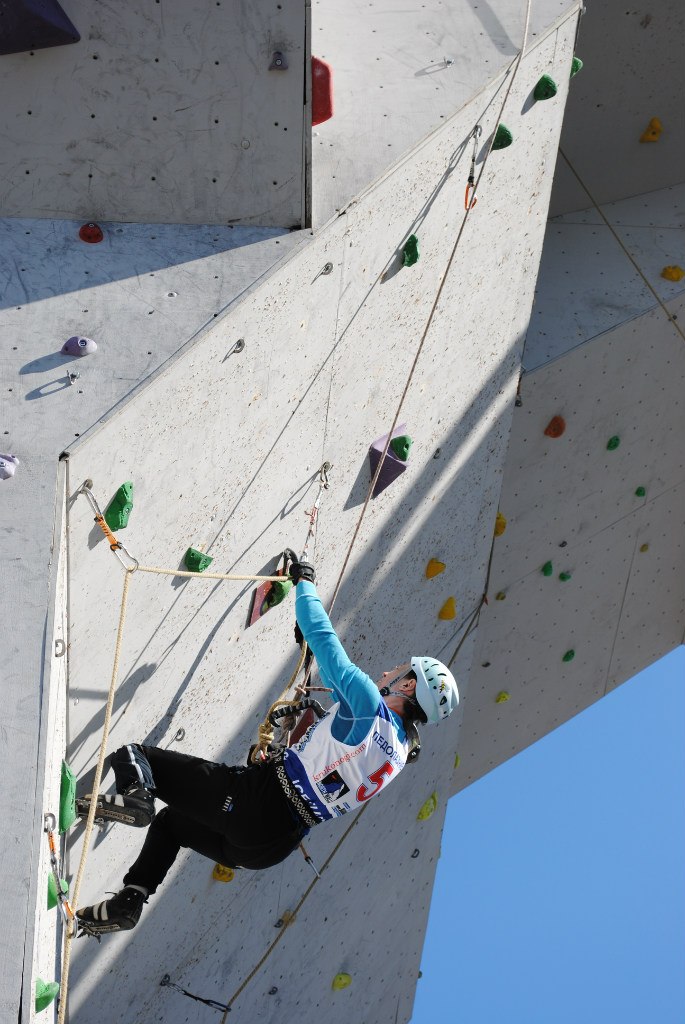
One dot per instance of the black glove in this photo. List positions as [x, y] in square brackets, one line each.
[302, 571]
[299, 638]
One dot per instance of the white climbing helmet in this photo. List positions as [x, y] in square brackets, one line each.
[436, 689]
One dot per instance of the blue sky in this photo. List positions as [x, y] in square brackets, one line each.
[560, 892]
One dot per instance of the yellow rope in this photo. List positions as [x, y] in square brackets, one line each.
[66, 961]
[208, 575]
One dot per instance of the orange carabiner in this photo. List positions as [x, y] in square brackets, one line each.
[470, 203]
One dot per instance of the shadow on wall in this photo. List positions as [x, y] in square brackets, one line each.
[47, 259]
[359, 589]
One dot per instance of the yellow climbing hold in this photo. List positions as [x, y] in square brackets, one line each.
[434, 568]
[429, 807]
[341, 981]
[673, 273]
[502, 697]
[500, 525]
[652, 131]
[644, 547]
[222, 873]
[448, 610]
[457, 760]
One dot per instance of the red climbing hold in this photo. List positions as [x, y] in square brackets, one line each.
[91, 233]
[555, 427]
[322, 91]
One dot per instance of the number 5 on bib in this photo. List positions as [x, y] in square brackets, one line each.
[377, 778]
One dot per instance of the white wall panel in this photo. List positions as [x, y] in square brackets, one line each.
[630, 53]
[572, 502]
[163, 112]
[227, 452]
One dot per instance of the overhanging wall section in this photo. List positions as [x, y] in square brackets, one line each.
[590, 569]
[224, 449]
[173, 112]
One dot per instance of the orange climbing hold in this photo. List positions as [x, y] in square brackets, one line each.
[434, 568]
[673, 273]
[653, 131]
[555, 427]
[500, 525]
[448, 610]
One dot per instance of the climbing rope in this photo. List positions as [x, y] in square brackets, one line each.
[118, 548]
[241, 988]
[90, 820]
[671, 317]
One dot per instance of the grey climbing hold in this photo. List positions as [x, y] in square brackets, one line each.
[8, 465]
[79, 346]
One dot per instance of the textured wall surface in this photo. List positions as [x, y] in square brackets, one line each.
[572, 502]
[232, 467]
[163, 112]
[141, 294]
[633, 72]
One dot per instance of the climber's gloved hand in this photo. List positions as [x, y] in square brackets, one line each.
[299, 637]
[302, 571]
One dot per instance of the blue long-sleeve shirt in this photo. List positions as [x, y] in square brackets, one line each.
[358, 695]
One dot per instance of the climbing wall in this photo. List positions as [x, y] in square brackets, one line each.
[633, 75]
[170, 112]
[223, 448]
[586, 586]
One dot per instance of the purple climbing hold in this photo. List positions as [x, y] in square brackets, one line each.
[78, 346]
[8, 465]
[392, 466]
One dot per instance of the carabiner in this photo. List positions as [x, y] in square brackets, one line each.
[470, 198]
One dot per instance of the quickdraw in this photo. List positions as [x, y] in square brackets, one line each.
[470, 198]
[115, 545]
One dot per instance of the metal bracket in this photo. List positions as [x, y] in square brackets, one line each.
[278, 62]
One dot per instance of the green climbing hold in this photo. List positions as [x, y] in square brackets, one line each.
[564, 577]
[613, 443]
[279, 591]
[640, 492]
[545, 89]
[569, 656]
[457, 760]
[410, 254]
[576, 66]
[67, 798]
[52, 890]
[196, 561]
[341, 981]
[46, 991]
[430, 806]
[503, 137]
[120, 507]
[401, 445]
[547, 569]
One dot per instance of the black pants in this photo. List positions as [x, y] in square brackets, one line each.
[235, 816]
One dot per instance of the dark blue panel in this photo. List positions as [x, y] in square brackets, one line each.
[33, 25]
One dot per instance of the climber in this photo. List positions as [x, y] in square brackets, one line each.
[255, 816]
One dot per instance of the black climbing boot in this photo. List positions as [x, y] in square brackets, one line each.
[134, 807]
[118, 914]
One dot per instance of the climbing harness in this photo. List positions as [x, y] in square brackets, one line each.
[470, 198]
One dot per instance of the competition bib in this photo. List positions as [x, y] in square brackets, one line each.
[333, 777]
